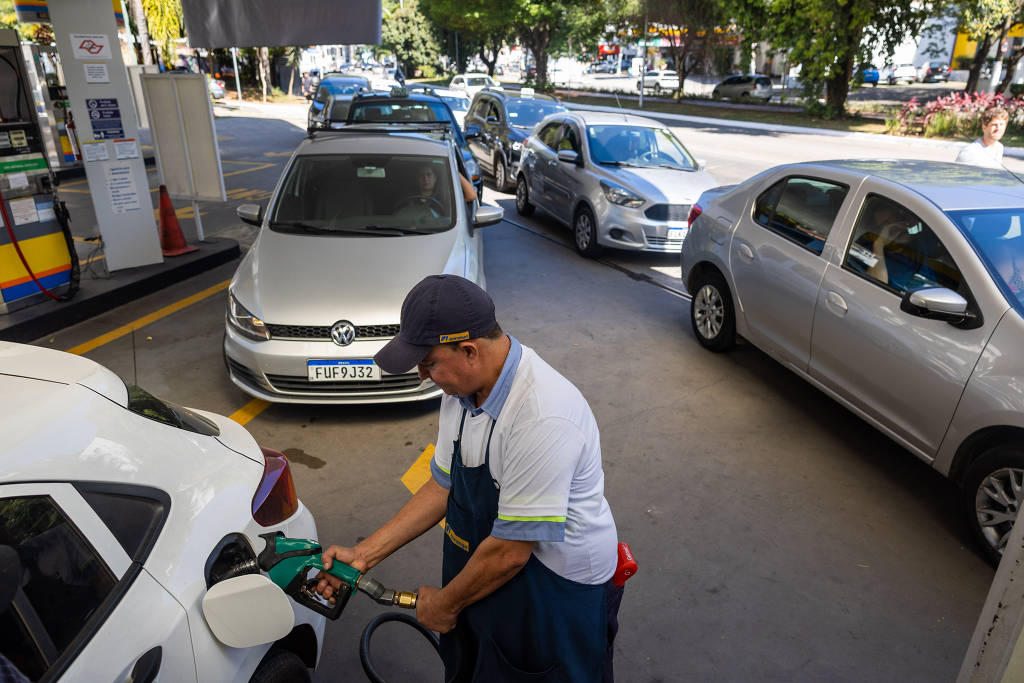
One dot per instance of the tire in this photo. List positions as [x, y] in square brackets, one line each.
[523, 205]
[657, 88]
[500, 175]
[745, 95]
[993, 493]
[711, 313]
[584, 233]
[281, 666]
[716, 94]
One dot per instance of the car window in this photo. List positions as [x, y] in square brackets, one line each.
[456, 103]
[998, 238]
[570, 139]
[494, 113]
[478, 108]
[763, 82]
[63, 583]
[801, 209]
[890, 245]
[376, 111]
[527, 113]
[145, 404]
[365, 195]
[550, 133]
[640, 146]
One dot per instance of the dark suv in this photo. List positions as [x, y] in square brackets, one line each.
[933, 71]
[497, 124]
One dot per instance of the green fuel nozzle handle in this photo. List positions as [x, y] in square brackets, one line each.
[346, 573]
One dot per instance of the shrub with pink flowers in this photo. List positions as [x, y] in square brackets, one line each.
[957, 114]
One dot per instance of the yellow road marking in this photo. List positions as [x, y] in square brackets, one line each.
[184, 212]
[277, 154]
[147, 319]
[249, 411]
[419, 473]
[249, 170]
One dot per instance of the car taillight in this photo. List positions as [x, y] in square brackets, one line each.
[526, 141]
[694, 212]
[275, 499]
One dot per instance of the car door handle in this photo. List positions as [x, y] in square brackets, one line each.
[146, 667]
[746, 252]
[836, 303]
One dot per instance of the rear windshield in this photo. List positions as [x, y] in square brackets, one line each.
[526, 113]
[366, 195]
[343, 87]
[146, 404]
[997, 237]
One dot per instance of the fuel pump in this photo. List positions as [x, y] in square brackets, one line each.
[37, 254]
[46, 80]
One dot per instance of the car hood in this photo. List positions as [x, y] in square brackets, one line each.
[662, 185]
[288, 279]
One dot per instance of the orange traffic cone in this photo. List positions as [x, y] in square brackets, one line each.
[171, 240]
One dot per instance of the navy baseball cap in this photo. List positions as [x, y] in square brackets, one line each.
[439, 309]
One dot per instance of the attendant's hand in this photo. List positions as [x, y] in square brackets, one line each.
[329, 585]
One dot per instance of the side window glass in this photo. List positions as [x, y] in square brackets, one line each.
[895, 248]
[495, 112]
[63, 582]
[801, 209]
[570, 139]
[549, 134]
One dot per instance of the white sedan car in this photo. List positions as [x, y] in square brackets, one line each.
[472, 83]
[118, 511]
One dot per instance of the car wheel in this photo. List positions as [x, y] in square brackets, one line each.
[993, 494]
[500, 175]
[745, 95]
[280, 666]
[715, 93]
[584, 231]
[657, 88]
[711, 313]
[523, 205]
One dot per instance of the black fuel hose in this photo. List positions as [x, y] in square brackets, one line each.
[364, 642]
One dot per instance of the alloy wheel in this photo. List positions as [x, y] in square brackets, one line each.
[499, 175]
[999, 498]
[708, 311]
[584, 231]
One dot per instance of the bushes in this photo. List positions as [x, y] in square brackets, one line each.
[955, 115]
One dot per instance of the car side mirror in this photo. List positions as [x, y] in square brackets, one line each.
[701, 164]
[471, 132]
[940, 303]
[569, 156]
[248, 610]
[251, 214]
[487, 215]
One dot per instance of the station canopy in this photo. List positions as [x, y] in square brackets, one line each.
[279, 23]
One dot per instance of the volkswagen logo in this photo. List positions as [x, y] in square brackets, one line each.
[343, 332]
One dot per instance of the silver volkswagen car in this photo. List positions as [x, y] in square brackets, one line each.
[618, 180]
[895, 287]
[360, 215]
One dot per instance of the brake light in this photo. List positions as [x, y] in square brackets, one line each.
[275, 499]
[526, 141]
[695, 211]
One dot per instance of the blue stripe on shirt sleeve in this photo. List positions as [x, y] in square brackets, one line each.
[528, 531]
[440, 476]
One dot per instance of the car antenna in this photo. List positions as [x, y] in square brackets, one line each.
[620, 107]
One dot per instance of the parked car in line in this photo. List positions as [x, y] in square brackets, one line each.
[457, 100]
[216, 87]
[901, 73]
[659, 80]
[744, 86]
[893, 287]
[335, 85]
[604, 67]
[617, 180]
[118, 511]
[933, 71]
[361, 214]
[497, 124]
[869, 75]
[472, 83]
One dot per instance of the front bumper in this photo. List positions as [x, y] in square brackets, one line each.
[620, 227]
[275, 371]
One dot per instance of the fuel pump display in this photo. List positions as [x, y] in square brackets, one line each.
[37, 257]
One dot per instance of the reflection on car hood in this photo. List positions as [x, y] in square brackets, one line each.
[291, 279]
[662, 184]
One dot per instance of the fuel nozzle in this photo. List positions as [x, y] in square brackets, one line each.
[385, 596]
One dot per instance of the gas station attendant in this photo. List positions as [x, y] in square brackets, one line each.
[530, 542]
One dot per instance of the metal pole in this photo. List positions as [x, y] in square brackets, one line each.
[643, 67]
[234, 61]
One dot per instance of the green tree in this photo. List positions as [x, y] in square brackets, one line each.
[164, 20]
[691, 28]
[828, 37]
[986, 22]
[545, 27]
[478, 27]
[410, 35]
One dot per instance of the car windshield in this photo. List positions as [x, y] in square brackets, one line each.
[365, 195]
[457, 103]
[998, 239]
[625, 145]
[478, 81]
[342, 87]
[524, 113]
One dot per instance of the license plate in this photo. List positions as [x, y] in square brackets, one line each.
[343, 371]
[676, 233]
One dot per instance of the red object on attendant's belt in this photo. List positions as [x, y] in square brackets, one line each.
[626, 566]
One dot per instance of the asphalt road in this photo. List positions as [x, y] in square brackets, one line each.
[779, 537]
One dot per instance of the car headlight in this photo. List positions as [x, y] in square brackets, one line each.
[245, 322]
[621, 196]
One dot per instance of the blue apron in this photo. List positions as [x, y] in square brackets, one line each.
[539, 626]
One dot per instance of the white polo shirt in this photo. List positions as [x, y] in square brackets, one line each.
[977, 154]
[546, 461]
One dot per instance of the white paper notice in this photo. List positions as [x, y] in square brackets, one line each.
[126, 149]
[124, 195]
[90, 45]
[95, 150]
[96, 72]
[24, 211]
[17, 180]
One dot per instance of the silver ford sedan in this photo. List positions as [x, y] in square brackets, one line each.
[618, 180]
[359, 216]
[895, 287]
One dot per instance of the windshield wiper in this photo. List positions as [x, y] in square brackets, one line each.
[618, 163]
[315, 229]
[399, 230]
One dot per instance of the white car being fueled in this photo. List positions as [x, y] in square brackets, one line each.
[119, 512]
[362, 213]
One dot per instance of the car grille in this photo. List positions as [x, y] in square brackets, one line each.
[297, 383]
[320, 332]
[668, 212]
[662, 243]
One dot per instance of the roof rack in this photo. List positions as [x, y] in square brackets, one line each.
[384, 127]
